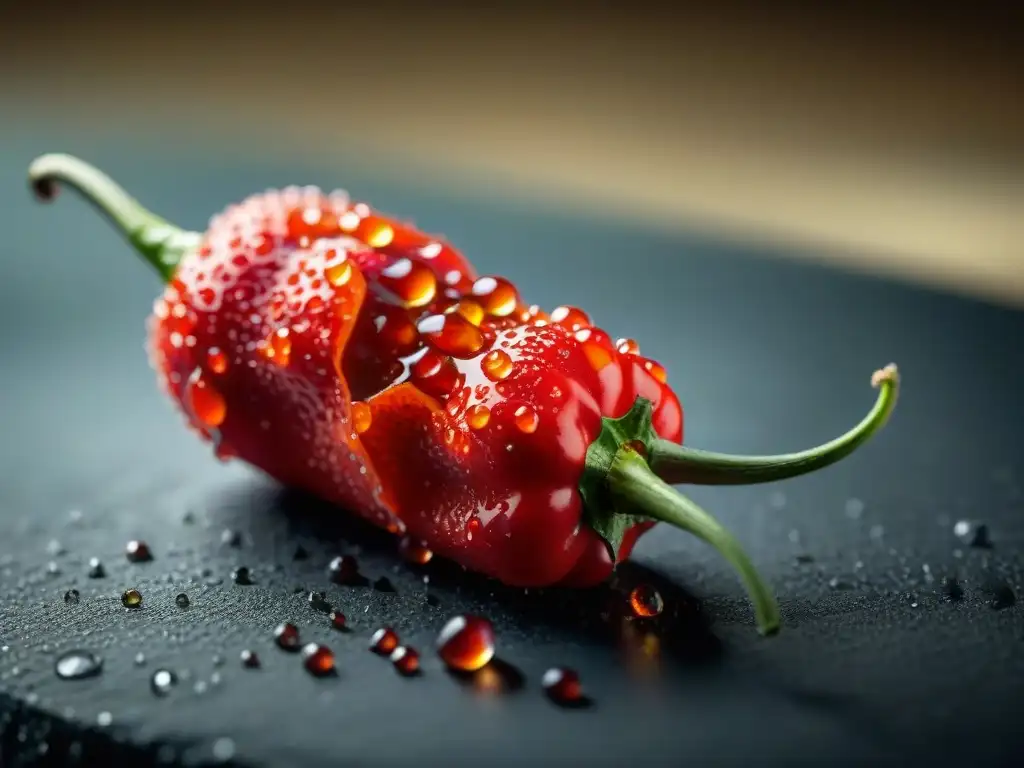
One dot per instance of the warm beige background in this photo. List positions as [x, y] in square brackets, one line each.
[887, 136]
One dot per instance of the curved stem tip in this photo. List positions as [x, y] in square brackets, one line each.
[675, 463]
[160, 243]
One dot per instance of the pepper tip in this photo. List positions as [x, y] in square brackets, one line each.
[41, 177]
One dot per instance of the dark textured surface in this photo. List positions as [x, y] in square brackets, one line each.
[875, 666]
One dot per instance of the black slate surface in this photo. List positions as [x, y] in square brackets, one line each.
[874, 663]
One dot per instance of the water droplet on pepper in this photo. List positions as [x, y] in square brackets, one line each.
[410, 282]
[496, 295]
[477, 416]
[570, 317]
[362, 417]
[452, 334]
[206, 402]
[216, 360]
[496, 365]
[627, 347]
[526, 419]
[337, 269]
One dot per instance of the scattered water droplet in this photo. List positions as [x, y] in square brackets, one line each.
[241, 576]
[414, 551]
[854, 508]
[71, 596]
[138, 552]
[952, 589]
[839, 584]
[318, 659]
[337, 619]
[287, 636]
[223, 749]
[562, 685]
[645, 602]
[1001, 595]
[384, 641]
[249, 659]
[131, 598]
[140, 659]
[162, 682]
[466, 643]
[383, 584]
[78, 665]
[318, 602]
[973, 533]
[231, 538]
[96, 569]
[182, 600]
[344, 569]
[406, 660]
[300, 553]
[55, 548]
[104, 719]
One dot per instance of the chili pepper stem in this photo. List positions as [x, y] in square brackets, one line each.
[676, 464]
[632, 482]
[160, 243]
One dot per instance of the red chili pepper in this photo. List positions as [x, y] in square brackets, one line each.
[352, 355]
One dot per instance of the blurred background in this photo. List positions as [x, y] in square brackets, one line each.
[886, 137]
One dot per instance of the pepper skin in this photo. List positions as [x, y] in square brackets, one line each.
[347, 353]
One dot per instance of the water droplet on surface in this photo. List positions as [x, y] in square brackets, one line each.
[138, 552]
[414, 551]
[241, 576]
[249, 659]
[973, 533]
[854, 508]
[477, 416]
[223, 749]
[162, 682]
[384, 641]
[383, 584]
[646, 602]
[1001, 595]
[71, 596]
[406, 660]
[318, 602]
[952, 589]
[839, 584]
[318, 659]
[104, 719]
[287, 636]
[231, 538]
[466, 643]
[131, 598]
[344, 569]
[78, 665]
[338, 269]
[55, 548]
[562, 685]
[496, 364]
[300, 553]
[182, 600]
[53, 569]
[140, 659]
[96, 569]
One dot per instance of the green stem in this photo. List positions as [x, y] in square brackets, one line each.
[632, 481]
[676, 464]
[160, 243]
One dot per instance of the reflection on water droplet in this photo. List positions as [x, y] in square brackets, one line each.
[138, 552]
[162, 682]
[71, 596]
[131, 598]
[406, 660]
[96, 569]
[182, 600]
[466, 643]
[645, 602]
[249, 659]
[78, 665]
[384, 641]
[318, 659]
[562, 685]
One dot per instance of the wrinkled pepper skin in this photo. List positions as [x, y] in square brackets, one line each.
[289, 339]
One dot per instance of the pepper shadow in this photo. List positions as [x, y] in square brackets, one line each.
[282, 520]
